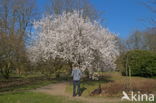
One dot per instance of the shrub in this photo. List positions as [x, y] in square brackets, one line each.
[138, 63]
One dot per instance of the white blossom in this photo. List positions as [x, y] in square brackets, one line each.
[71, 37]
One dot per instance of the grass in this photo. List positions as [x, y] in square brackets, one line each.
[24, 82]
[17, 95]
[154, 77]
[31, 97]
[28, 86]
[90, 85]
[135, 84]
[123, 83]
[113, 84]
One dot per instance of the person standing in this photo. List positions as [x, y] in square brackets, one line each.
[76, 74]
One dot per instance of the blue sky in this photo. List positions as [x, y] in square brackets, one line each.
[121, 16]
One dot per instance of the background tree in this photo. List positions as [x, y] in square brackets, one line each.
[136, 41]
[151, 5]
[143, 40]
[150, 38]
[60, 6]
[15, 23]
[16, 15]
[12, 54]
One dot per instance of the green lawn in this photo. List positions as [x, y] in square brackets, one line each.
[31, 97]
[29, 86]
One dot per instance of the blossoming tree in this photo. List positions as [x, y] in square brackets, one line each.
[74, 39]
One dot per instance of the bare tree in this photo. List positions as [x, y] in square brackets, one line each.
[16, 16]
[150, 38]
[59, 6]
[12, 54]
[151, 5]
[136, 41]
[15, 22]
[143, 40]
[150, 33]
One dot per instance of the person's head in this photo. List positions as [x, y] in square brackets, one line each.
[75, 65]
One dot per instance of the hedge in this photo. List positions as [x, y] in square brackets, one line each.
[138, 63]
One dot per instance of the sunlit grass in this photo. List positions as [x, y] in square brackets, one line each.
[31, 97]
[28, 86]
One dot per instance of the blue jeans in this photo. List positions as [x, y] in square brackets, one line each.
[76, 84]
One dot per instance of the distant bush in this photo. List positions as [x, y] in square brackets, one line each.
[138, 63]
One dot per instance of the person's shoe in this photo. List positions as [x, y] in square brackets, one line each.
[74, 95]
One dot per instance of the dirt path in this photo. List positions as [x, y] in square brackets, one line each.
[54, 89]
[58, 89]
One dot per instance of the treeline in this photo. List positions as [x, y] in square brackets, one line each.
[142, 40]
[15, 26]
[16, 17]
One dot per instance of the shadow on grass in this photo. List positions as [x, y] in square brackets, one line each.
[82, 90]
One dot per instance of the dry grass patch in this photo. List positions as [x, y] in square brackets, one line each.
[122, 83]
[134, 84]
